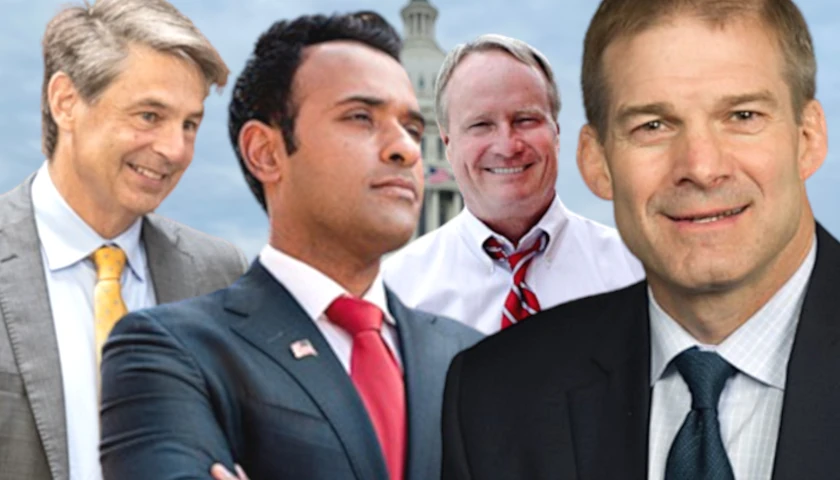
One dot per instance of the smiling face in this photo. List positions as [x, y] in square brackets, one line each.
[356, 179]
[123, 153]
[705, 159]
[502, 141]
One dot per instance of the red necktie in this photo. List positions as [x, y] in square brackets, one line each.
[521, 301]
[376, 375]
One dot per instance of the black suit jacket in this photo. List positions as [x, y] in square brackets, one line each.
[566, 395]
[214, 379]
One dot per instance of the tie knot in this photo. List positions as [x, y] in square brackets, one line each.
[705, 373]
[355, 315]
[109, 261]
[494, 249]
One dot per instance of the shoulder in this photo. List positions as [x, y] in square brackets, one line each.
[201, 246]
[16, 204]
[567, 333]
[445, 327]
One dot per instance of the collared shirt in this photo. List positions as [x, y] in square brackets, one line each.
[67, 243]
[447, 271]
[315, 291]
[750, 406]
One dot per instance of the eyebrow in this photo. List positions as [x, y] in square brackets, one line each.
[660, 109]
[159, 105]
[763, 96]
[414, 115]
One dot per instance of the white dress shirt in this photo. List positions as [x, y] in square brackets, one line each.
[67, 243]
[447, 271]
[750, 404]
[315, 291]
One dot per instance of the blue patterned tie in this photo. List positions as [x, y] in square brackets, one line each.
[697, 452]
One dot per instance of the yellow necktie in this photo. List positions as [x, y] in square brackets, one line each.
[108, 305]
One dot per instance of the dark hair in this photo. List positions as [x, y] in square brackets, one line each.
[620, 19]
[263, 90]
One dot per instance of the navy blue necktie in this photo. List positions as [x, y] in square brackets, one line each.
[697, 452]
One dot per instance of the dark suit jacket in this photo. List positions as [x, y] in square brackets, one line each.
[566, 394]
[214, 379]
[33, 434]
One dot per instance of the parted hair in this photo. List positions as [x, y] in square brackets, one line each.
[89, 42]
[621, 19]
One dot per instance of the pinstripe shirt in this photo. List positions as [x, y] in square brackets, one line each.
[751, 402]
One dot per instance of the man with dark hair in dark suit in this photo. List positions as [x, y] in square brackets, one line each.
[702, 128]
[307, 367]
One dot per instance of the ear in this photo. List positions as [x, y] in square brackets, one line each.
[592, 163]
[263, 151]
[62, 97]
[813, 145]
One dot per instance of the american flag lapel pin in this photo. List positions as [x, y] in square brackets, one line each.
[303, 348]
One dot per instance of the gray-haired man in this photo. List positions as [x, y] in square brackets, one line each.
[515, 249]
[123, 93]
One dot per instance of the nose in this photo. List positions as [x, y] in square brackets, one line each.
[401, 148]
[701, 159]
[508, 142]
[172, 143]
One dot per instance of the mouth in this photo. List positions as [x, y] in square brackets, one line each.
[147, 172]
[398, 187]
[507, 170]
[709, 217]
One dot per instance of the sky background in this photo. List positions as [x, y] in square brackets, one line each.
[212, 195]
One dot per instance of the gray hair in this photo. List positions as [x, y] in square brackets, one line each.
[90, 42]
[516, 48]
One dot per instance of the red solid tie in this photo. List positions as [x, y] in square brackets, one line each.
[521, 300]
[376, 375]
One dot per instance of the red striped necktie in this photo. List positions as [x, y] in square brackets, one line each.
[521, 301]
[376, 375]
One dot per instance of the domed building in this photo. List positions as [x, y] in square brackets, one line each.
[422, 58]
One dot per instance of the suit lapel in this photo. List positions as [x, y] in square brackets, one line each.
[169, 266]
[24, 301]
[274, 320]
[811, 411]
[609, 415]
[426, 355]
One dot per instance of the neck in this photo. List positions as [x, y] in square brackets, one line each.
[514, 227]
[95, 212]
[711, 315]
[356, 274]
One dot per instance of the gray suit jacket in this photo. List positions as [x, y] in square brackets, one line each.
[33, 438]
[214, 379]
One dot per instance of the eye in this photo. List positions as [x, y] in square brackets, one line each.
[150, 117]
[361, 116]
[651, 126]
[745, 115]
[481, 124]
[415, 131]
[527, 121]
[190, 126]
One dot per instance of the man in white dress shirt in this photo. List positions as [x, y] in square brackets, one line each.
[703, 127]
[123, 93]
[515, 249]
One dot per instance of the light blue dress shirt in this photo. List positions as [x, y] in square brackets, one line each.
[67, 243]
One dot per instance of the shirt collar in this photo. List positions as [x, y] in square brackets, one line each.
[759, 348]
[313, 290]
[67, 239]
[476, 232]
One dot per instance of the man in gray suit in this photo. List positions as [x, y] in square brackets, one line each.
[123, 93]
[307, 367]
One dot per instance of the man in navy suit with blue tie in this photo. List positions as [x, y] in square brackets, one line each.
[306, 367]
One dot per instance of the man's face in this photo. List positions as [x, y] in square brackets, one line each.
[502, 140]
[706, 159]
[356, 177]
[132, 144]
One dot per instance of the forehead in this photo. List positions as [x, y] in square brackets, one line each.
[494, 80]
[168, 78]
[333, 70]
[685, 58]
